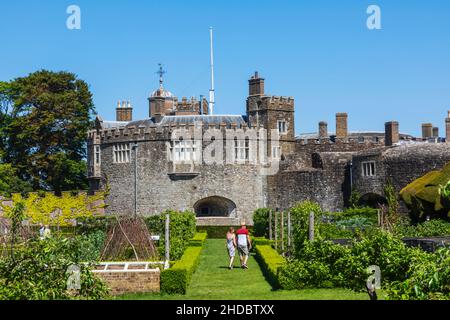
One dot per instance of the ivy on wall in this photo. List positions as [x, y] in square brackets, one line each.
[54, 210]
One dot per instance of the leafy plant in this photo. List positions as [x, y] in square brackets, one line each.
[39, 272]
[182, 230]
[261, 222]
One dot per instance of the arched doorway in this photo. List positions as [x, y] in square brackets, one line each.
[372, 200]
[215, 207]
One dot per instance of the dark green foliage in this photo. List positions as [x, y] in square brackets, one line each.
[182, 230]
[432, 228]
[261, 222]
[353, 202]
[218, 232]
[10, 182]
[300, 222]
[91, 245]
[38, 272]
[337, 225]
[271, 262]
[177, 278]
[44, 127]
[428, 279]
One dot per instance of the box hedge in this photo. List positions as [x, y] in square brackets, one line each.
[270, 261]
[261, 241]
[176, 279]
[198, 240]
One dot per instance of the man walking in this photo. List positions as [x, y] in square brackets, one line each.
[243, 244]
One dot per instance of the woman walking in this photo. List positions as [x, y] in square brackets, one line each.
[231, 246]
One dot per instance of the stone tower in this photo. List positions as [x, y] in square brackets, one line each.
[447, 128]
[124, 111]
[271, 112]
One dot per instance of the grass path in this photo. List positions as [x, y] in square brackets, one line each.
[213, 281]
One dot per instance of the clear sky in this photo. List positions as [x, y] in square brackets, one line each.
[318, 51]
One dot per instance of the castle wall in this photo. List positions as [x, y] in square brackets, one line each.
[162, 186]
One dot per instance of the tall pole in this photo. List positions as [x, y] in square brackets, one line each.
[167, 242]
[135, 147]
[311, 226]
[211, 91]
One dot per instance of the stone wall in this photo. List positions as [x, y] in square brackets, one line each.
[121, 282]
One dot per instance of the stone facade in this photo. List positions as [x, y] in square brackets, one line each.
[138, 159]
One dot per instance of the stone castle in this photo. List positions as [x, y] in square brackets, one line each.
[148, 171]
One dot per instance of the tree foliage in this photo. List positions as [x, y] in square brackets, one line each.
[44, 119]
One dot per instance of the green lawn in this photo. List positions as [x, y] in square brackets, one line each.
[213, 281]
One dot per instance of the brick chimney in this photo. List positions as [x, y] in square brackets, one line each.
[391, 133]
[256, 85]
[124, 111]
[341, 125]
[435, 132]
[427, 130]
[323, 130]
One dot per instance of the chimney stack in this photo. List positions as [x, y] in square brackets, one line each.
[256, 85]
[124, 111]
[323, 130]
[435, 132]
[341, 125]
[391, 133]
[427, 130]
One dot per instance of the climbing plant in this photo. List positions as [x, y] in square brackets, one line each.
[57, 211]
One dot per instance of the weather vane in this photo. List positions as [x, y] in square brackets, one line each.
[161, 72]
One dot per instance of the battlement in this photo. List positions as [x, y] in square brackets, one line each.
[164, 132]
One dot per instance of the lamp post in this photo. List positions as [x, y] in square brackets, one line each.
[135, 148]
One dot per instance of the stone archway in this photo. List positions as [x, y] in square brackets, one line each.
[372, 200]
[215, 206]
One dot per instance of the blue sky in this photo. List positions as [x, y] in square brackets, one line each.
[320, 52]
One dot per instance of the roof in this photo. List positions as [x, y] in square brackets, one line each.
[206, 119]
[113, 124]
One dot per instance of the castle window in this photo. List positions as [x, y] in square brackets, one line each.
[241, 149]
[282, 126]
[97, 154]
[368, 169]
[276, 152]
[121, 153]
[185, 150]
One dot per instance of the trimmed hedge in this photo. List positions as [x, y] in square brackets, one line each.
[176, 279]
[270, 261]
[261, 241]
[219, 232]
[198, 240]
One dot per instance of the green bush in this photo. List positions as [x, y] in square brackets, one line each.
[176, 279]
[38, 272]
[219, 232]
[432, 228]
[261, 222]
[428, 279]
[182, 230]
[198, 240]
[261, 241]
[271, 261]
[300, 222]
[91, 245]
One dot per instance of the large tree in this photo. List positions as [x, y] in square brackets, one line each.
[46, 127]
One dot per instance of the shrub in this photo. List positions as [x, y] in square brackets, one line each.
[261, 241]
[198, 240]
[300, 222]
[432, 228]
[38, 272]
[91, 245]
[219, 232]
[176, 279]
[182, 229]
[428, 279]
[271, 261]
[261, 222]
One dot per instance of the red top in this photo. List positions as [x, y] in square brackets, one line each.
[242, 231]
